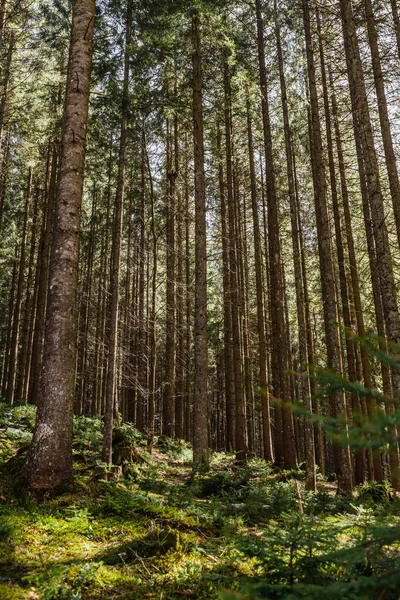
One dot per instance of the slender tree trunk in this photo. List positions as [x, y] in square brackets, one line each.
[180, 376]
[4, 177]
[6, 81]
[337, 401]
[14, 347]
[396, 23]
[280, 380]
[49, 461]
[111, 403]
[200, 402]
[262, 346]
[240, 409]
[153, 313]
[142, 361]
[364, 139]
[189, 318]
[29, 312]
[365, 361]
[6, 360]
[228, 348]
[344, 290]
[298, 269]
[43, 283]
[170, 350]
[390, 155]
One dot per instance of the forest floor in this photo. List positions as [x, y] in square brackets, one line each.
[160, 533]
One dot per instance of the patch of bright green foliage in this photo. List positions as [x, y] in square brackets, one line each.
[162, 533]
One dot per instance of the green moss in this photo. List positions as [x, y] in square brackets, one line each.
[161, 532]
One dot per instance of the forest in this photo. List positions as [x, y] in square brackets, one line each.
[199, 299]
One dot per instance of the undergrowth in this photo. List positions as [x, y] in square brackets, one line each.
[235, 532]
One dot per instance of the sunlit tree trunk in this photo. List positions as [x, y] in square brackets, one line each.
[200, 403]
[49, 461]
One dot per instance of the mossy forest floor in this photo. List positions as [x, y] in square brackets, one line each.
[159, 533]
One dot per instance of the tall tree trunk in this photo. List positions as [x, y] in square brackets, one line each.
[6, 81]
[390, 155]
[344, 288]
[153, 312]
[12, 369]
[111, 385]
[337, 401]
[43, 283]
[29, 312]
[298, 268]
[200, 403]
[6, 359]
[365, 361]
[228, 348]
[396, 23]
[142, 359]
[364, 139]
[49, 461]
[240, 408]
[280, 380]
[262, 345]
[180, 366]
[170, 350]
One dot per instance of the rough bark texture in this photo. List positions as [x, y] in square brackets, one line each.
[12, 369]
[168, 425]
[200, 404]
[396, 23]
[368, 164]
[228, 348]
[280, 381]
[390, 155]
[338, 409]
[262, 345]
[49, 461]
[111, 386]
[299, 274]
[234, 279]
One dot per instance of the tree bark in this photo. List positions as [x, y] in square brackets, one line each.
[200, 402]
[12, 369]
[49, 461]
[111, 402]
[280, 380]
[337, 401]
[262, 345]
[298, 269]
[390, 155]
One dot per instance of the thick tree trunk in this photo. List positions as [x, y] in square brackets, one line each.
[49, 461]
